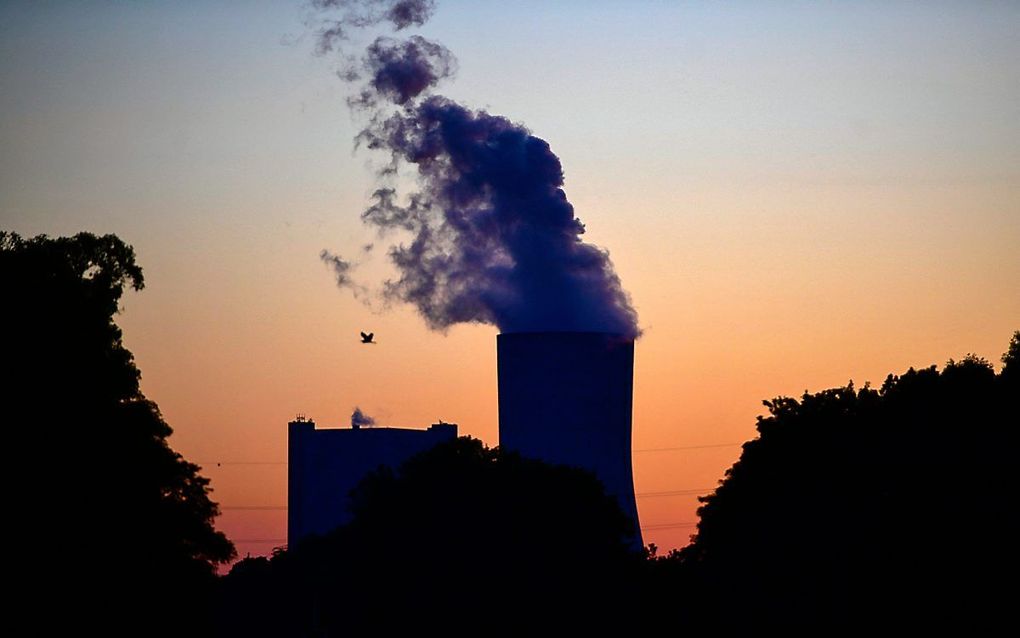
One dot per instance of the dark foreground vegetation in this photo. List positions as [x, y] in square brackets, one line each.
[853, 509]
[463, 536]
[866, 508]
[113, 529]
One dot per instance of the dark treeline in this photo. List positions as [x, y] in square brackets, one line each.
[854, 508]
[462, 536]
[867, 508]
[113, 530]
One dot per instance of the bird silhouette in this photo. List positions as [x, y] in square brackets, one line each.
[367, 338]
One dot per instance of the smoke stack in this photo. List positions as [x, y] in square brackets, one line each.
[566, 398]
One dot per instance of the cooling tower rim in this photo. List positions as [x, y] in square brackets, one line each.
[566, 335]
[565, 332]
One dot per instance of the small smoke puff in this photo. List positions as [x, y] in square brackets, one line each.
[359, 14]
[342, 271]
[405, 13]
[341, 268]
[360, 419]
[401, 70]
[385, 213]
[329, 36]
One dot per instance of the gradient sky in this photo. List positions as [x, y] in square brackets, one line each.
[795, 195]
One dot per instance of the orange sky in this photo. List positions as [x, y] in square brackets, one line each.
[794, 198]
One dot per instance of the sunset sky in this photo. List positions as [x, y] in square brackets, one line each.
[794, 194]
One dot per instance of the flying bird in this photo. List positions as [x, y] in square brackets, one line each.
[367, 338]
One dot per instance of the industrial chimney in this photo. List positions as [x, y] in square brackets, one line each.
[566, 397]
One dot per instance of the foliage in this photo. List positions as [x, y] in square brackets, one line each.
[855, 507]
[1011, 362]
[103, 497]
[461, 534]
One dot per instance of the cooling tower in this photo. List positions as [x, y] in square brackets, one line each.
[565, 397]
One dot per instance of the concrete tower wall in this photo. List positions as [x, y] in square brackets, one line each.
[566, 397]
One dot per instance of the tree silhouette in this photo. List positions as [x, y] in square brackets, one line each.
[870, 507]
[461, 536]
[1010, 374]
[115, 528]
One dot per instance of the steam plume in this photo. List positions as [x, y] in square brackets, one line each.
[358, 14]
[342, 271]
[400, 70]
[360, 419]
[493, 238]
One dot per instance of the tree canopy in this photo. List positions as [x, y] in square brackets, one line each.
[102, 497]
[866, 506]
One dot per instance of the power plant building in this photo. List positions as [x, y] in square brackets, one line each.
[566, 398]
[325, 465]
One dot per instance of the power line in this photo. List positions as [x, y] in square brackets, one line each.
[646, 528]
[270, 508]
[646, 449]
[254, 508]
[219, 463]
[652, 528]
[687, 447]
[692, 492]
